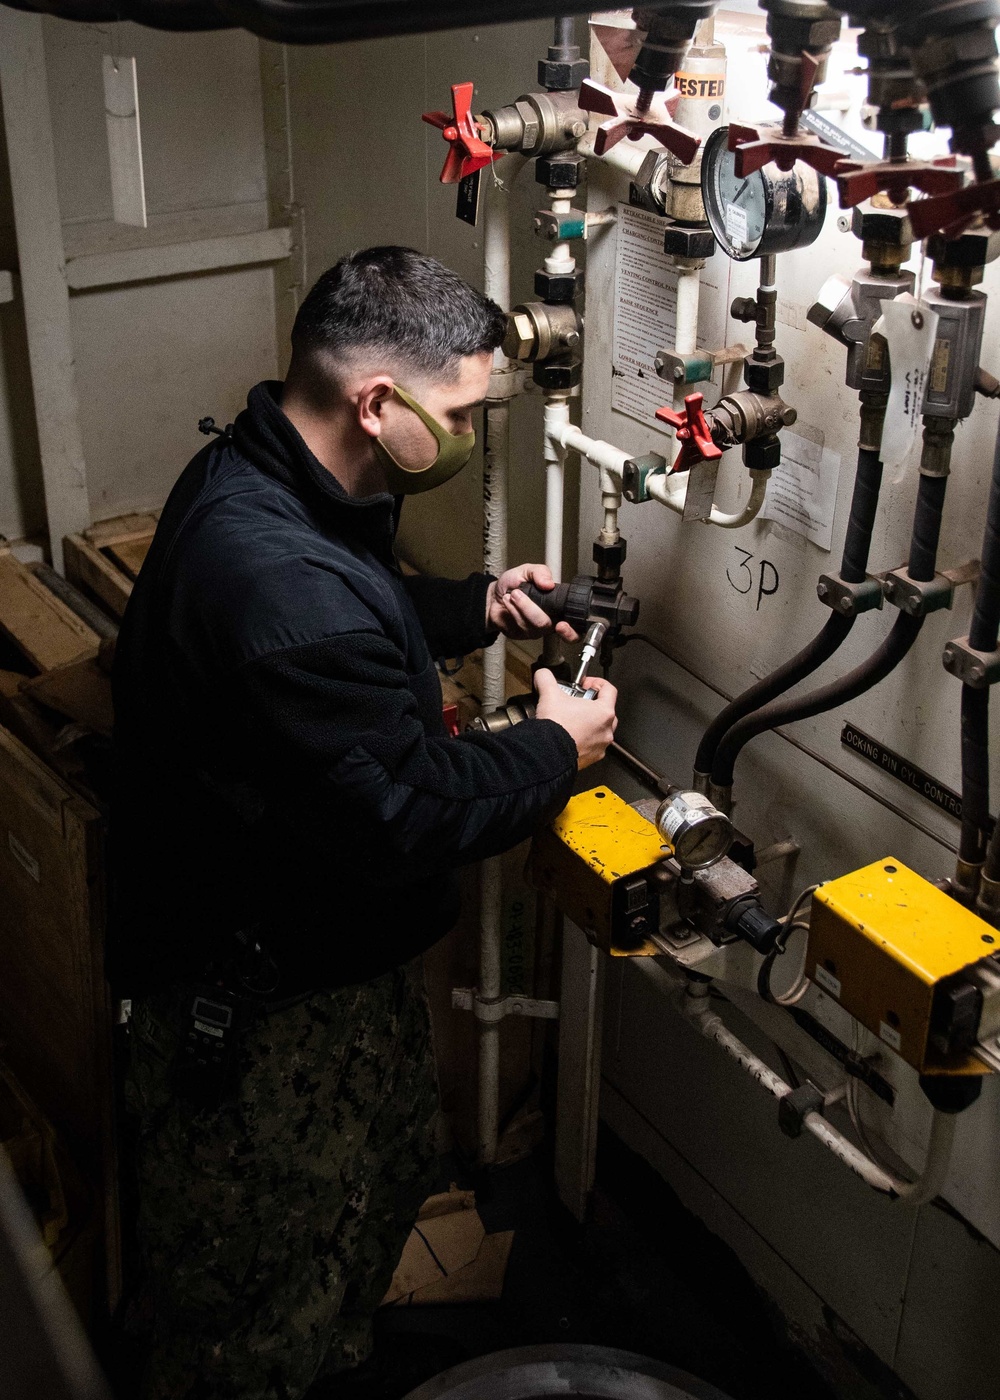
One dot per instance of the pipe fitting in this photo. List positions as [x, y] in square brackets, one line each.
[537, 124]
[536, 330]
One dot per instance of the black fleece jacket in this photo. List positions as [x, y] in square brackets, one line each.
[281, 756]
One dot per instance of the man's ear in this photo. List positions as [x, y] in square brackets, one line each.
[371, 398]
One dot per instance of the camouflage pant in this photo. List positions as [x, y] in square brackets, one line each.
[269, 1227]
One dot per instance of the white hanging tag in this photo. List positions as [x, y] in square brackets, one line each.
[910, 329]
[121, 111]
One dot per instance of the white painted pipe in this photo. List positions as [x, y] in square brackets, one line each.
[627, 156]
[496, 464]
[556, 422]
[598, 453]
[749, 511]
[927, 1185]
[686, 332]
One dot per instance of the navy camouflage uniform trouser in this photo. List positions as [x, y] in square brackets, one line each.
[269, 1227]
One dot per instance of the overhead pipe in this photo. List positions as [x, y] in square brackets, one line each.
[186, 16]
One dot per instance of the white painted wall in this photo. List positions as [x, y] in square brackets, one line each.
[366, 169]
[809, 1232]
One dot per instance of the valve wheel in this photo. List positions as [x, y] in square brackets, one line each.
[692, 432]
[467, 151]
[627, 121]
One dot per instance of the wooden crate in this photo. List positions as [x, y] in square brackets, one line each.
[55, 1010]
[105, 560]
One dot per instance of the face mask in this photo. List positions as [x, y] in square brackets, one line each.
[452, 454]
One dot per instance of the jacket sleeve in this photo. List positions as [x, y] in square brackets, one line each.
[337, 718]
[452, 612]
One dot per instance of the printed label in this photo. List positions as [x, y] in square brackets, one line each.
[890, 1036]
[939, 366]
[709, 86]
[827, 981]
[910, 330]
[208, 1030]
[737, 225]
[902, 770]
[24, 858]
[681, 810]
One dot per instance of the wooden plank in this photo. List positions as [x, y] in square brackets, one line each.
[88, 568]
[55, 1009]
[41, 263]
[80, 692]
[268, 245]
[121, 528]
[130, 555]
[37, 622]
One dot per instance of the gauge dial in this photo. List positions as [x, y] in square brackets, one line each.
[770, 211]
[696, 833]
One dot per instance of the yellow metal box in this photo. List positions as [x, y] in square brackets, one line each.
[883, 942]
[596, 862]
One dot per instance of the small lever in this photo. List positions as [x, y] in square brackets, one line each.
[692, 432]
[467, 151]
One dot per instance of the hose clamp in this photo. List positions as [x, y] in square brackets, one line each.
[976, 669]
[918, 598]
[849, 599]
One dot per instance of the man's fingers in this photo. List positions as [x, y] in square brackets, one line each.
[545, 681]
[566, 632]
[541, 575]
[529, 614]
[606, 693]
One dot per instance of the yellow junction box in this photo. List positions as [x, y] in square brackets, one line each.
[596, 862]
[882, 940]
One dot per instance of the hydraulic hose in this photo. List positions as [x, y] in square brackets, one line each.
[905, 630]
[853, 569]
[984, 631]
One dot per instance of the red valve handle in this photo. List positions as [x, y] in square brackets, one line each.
[860, 180]
[951, 214]
[627, 122]
[692, 432]
[467, 151]
[755, 147]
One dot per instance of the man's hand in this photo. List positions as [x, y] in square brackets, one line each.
[511, 612]
[591, 724]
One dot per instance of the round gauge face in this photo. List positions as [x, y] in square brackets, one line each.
[703, 843]
[737, 209]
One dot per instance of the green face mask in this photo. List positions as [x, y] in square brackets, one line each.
[452, 454]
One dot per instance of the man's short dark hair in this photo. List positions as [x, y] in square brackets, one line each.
[400, 302]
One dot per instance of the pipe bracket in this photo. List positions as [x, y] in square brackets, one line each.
[977, 669]
[468, 999]
[849, 599]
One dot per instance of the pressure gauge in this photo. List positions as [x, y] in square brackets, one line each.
[771, 211]
[697, 833]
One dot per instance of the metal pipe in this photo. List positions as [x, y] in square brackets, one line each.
[925, 1187]
[496, 463]
[627, 156]
[556, 422]
[686, 328]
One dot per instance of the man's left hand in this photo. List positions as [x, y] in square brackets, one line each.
[512, 612]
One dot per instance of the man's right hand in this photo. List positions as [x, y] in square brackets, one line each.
[591, 724]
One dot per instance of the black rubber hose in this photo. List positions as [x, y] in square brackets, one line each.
[984, 631]
[861, 523]
[975, 774]
[905, 630]
[853, 568]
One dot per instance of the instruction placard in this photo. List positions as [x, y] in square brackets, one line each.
[646, 314]
[802, 491]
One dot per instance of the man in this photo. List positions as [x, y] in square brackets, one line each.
[289, 816]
